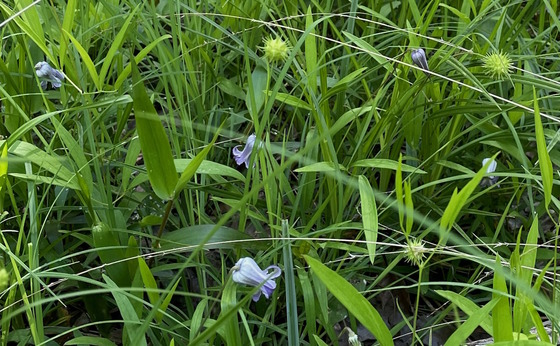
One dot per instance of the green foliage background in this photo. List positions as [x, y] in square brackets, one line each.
[123, 210]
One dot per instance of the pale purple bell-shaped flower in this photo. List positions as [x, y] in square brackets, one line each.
[419, 58]
[491, 168]
[247, 271]
[491, 180]
[244, 156]
[44, 70]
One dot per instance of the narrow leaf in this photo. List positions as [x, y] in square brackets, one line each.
[387, 164]
[190, 171]
[153, 141]
[149, 280]
[356, 304]
[131, 321]
[465, 330]
[115, 46]
[544, 159]
[369, 215]
[501, 314]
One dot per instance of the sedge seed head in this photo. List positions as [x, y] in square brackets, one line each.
[498, 65]
[415, 251]
[275, 49]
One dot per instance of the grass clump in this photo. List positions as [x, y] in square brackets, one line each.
[265, 173]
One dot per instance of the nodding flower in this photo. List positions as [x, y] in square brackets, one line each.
[247, 271]
[491, 168]
[419, 58]
[244, 156]
[491, 180]
[44, 70]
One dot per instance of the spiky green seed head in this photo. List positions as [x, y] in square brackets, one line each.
[498, 65]
[275, 49]
[415, 251]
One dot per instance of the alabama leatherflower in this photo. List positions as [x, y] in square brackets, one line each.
[244, 156]
[247, 271]
[44, 70]
[419, 58]
[491, 168]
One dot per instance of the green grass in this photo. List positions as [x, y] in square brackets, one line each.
[123, 211]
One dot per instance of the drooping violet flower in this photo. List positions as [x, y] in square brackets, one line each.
[247, 271]
[244, 156]
[491, 168]
[419, 58]
[44, 70]
[491, 180]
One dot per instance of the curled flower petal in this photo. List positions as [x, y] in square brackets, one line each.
[247, 271]
[244, 156]
[419, 58]
[492, 167]
[44, 70]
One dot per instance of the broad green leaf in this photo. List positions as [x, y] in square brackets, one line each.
[501, 314]
[153, 141]
[544, 159]
[387, 164]
[356, 304]
[131, 321]
[465, 330]
[369, 215]
[190, 170]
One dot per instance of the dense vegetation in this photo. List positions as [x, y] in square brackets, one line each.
[166, 150]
